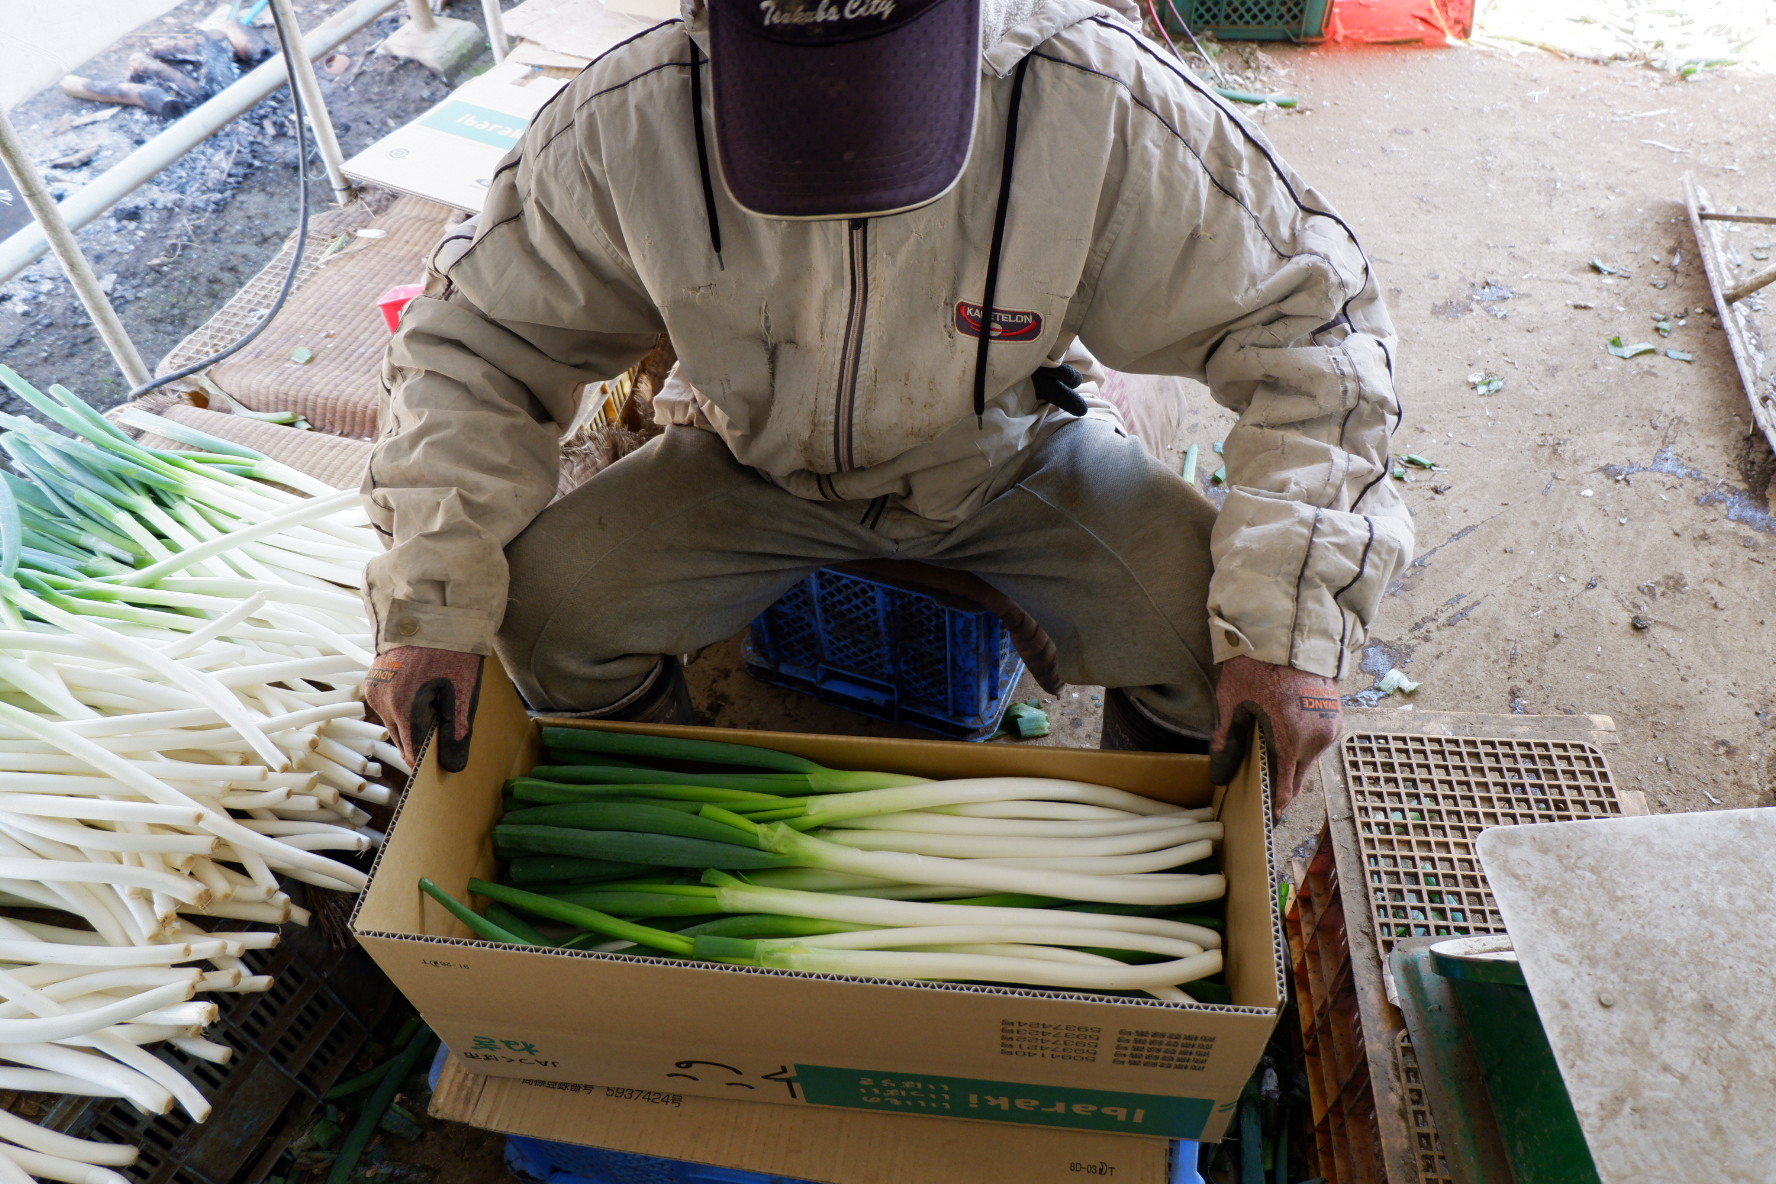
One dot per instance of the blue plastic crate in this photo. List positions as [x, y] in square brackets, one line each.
[890, 652]
[536, 1161]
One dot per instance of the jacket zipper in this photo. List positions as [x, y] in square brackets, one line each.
[844, 452]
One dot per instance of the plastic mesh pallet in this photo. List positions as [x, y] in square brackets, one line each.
[1341, 1100]
[601, 404]
[891, 652]
[1397, 857]
[292, 1043]
[1432, 1169]
[1420, 801]
[246, 308]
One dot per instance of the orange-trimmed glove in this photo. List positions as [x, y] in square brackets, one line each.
[412, 689]
[1299, 714]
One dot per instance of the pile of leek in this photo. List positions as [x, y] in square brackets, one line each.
[182, 648]
[750, 856]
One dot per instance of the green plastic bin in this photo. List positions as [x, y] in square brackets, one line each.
[1250, 20]
[1505, 1116]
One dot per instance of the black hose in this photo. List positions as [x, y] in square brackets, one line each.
[289, 50]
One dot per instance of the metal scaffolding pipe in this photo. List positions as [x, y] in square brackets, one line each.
[74, 264]
[326, 142]
[29, 245]
[496, 29]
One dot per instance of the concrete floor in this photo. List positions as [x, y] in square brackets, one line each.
[1598, 536]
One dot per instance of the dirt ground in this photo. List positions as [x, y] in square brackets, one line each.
[1598, 535]
[181, 245]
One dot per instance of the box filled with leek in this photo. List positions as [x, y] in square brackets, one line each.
[1067, 1059]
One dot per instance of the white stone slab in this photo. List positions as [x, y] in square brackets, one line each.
[1650, 947]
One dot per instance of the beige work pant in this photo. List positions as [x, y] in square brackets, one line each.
[678, 545]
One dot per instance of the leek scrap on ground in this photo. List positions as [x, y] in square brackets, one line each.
[1246, 96]
[744, 855]
[1026, 721]
[1616, 347]
[182, 645]
[1396, 680]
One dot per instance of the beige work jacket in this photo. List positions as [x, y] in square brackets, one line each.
[1146, 223]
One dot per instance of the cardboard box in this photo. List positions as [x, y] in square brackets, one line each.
[449, 154]
[585, 29]
[796, 1142]
[1003, 1054]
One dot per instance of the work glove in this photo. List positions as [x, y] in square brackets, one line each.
[412, 688]
[1058, 386]
[1298, 713]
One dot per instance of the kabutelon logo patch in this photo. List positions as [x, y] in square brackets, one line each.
[1009, 324]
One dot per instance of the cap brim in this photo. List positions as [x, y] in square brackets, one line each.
[861, 128]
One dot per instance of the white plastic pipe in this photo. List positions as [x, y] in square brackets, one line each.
[319, 122]
[496, 29]
[133, 171]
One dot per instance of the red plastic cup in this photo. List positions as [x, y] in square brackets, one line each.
[395, 300]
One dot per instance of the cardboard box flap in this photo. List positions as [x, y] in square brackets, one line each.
[801, 1143]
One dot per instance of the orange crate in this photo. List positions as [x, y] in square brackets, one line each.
[1337, 1065]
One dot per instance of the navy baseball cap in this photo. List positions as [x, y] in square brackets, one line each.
[842, 108]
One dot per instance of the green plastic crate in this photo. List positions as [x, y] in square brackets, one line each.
[1250, 20]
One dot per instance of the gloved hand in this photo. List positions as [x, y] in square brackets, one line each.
[1299, 714]
[411, 688]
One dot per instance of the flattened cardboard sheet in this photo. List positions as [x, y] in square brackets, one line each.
[449, 154]
[585, 28]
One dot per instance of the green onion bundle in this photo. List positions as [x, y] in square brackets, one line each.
[182, 646]
[749, 856]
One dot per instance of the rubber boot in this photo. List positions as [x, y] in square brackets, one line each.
[1128, 725]
[664, 697]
